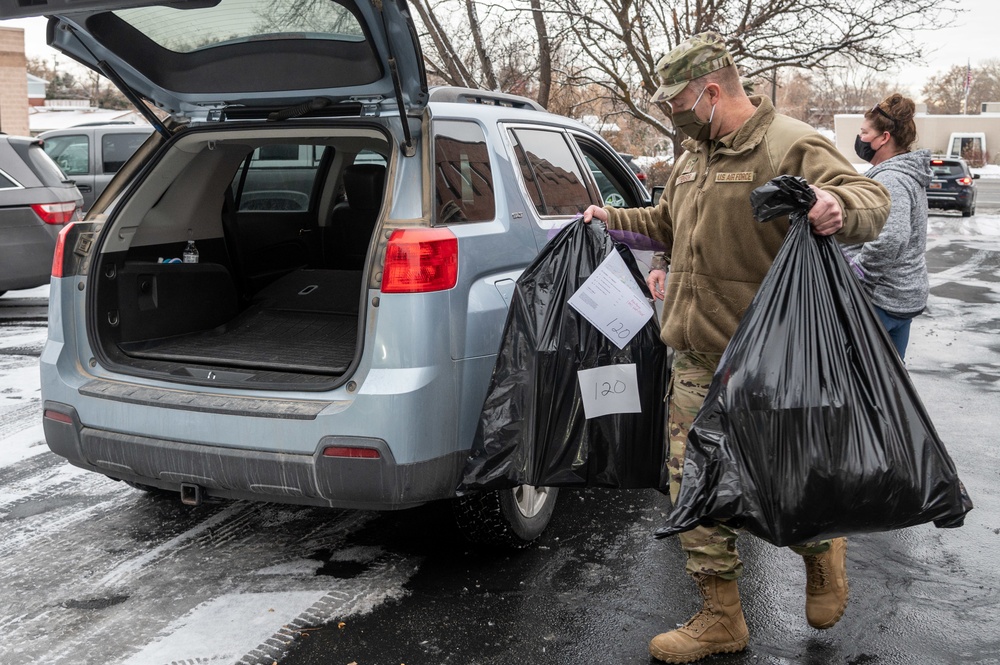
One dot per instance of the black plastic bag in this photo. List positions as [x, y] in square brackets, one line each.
[811, 428]
[532, 429]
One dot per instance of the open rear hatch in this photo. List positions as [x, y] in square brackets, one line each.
[218, 59]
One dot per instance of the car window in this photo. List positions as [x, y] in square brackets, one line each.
[610, 178]
[6, 182]
[117, 148]
[71, 152]
[946, 169]
[550, 172]
[279, 178]
[184, 30]
[463, 178]
[370, 157]
[44, 167]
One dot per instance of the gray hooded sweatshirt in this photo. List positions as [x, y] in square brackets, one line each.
[895, 272]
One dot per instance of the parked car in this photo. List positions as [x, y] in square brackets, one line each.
[92, 154]
[358, 237]
[636, 169]
[36, 200]
[952, 185]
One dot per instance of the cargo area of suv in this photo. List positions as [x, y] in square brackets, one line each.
[282, 230]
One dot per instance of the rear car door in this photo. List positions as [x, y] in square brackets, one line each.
[114, 148]
[73, 153]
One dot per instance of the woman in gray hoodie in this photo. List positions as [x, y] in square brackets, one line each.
[893, 266]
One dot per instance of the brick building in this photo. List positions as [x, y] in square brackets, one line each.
[13, 82]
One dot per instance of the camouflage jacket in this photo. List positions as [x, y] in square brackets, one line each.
[718, 254]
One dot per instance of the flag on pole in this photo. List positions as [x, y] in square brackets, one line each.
[968, 86]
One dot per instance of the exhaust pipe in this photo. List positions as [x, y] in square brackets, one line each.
[191, 494]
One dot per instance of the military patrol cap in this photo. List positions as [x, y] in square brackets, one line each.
[694, 57]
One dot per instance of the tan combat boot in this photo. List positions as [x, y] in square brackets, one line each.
[826, 585]
[718, 628]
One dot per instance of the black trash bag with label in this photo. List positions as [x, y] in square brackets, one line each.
[532, 429]
[811, 428]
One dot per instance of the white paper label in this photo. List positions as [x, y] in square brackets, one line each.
[612, 301]
[609, 389]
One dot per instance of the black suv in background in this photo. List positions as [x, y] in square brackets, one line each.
[36, 200]
[952, 186]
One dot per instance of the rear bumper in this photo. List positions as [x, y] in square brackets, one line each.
[949, 200]
[313, 479]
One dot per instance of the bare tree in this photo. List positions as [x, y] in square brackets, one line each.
[623, 39]
[945, 92]
[847, 88]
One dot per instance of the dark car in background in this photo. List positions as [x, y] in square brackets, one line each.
[36, 200]
[636, 169]
[952, 185]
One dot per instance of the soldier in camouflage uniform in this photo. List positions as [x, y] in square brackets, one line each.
[717, 257]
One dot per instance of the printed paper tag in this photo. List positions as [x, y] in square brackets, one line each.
[612, 301]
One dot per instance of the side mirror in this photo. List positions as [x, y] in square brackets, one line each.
[975, 176]
[657, 194]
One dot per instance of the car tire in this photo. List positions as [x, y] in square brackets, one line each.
[969, 212]
[511, 518]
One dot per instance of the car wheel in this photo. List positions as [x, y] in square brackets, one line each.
[509, 518]
[615, 200]
[969, 212]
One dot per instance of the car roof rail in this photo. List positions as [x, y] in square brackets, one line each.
[104, 124]
[485, 97]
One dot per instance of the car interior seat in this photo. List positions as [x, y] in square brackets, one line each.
[347, 236]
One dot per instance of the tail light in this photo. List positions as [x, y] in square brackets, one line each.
[936, 162]
[55, 213]
[58, 255]
[420, 260]
[965, 182]
[641, 176]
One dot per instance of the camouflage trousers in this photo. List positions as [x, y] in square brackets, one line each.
[710, 550]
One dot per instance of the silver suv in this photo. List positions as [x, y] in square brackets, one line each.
[357, 235]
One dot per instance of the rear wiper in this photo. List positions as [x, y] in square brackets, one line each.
[314, 104]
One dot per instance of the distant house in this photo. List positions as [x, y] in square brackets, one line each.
[36, 90]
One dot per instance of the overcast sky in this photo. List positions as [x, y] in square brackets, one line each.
[973, 38]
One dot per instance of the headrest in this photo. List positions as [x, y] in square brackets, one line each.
[363, 184]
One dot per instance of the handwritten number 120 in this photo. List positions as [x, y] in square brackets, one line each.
[620, 329]
[606, 388]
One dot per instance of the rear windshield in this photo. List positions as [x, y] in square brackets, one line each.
[233, 21]
[947, 169]
[46, 170]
